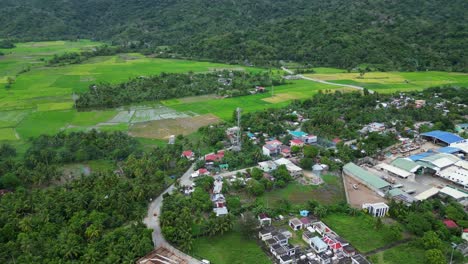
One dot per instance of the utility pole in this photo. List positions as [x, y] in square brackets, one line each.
[238, 142]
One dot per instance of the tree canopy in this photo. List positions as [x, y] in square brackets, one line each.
[409, 35]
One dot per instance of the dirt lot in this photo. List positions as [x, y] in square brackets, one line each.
[163, 129]
[361, 195]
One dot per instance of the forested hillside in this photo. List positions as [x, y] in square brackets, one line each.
[400, 35]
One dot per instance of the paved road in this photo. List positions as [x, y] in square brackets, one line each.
[326, 82]
[152, 221]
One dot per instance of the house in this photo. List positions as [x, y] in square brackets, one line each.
[220, 211]
[335, 141]
[223, 167]
[295, 224]
[200, 172]
[310, 139]
[317, 244]
[307, 236]
[293, 170]
[297, 134]
[188, 154]
[420, 103]
[464, 235]
[212, 157]
[264, 219]
[268, 176]
[267, 166]
[218, 197]
[376, 209]
[265, 233]
[286, 259]
[271, 150]
[280, 238]
[450, 223]
[251, 136]
[460, 128]
[321, 228]
[260, 89]
[296, 143]
[285, 151]
[349, 250]
[218, 186]
[305, 222]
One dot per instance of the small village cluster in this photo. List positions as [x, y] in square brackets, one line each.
[324, 246]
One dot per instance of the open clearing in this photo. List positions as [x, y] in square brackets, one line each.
[230, 248]
[162, 129]
[328, 193]
[8, 134]
[405, 253]
[387, 82]
[359, 231]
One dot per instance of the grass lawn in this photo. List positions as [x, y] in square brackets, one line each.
[230, 248]
[359, 231]
[329, 193]
[405, 253]
[388, 82]
[7, 134]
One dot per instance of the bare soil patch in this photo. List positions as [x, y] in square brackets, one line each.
[361, 195]
[163, 129]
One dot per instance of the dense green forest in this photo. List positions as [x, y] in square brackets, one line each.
[406, 35]
[174, 85]
[91, 219]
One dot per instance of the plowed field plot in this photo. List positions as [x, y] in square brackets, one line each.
[162, 129]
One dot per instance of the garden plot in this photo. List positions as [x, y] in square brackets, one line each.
[157, 113]
[11, 118]
[122, 117]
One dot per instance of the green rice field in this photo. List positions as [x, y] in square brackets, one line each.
[387, 82]
[40, 100]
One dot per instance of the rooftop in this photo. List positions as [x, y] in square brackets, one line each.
[443, 136]
[450, 223]
[454, 193]
[406, 164]
[365, 176]
[297, 133]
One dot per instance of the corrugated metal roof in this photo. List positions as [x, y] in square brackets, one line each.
[443, 136]
[427, 194]
[365, 176]
[419, 156]
[448, 150]
[455, 193]
[406, 164]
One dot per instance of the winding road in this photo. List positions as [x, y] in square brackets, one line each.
[152, 219]
[326, 82]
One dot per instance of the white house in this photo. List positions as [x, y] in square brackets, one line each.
[264, 219]
[269, 150]
[310, 139]
[293, 170]
[318, 245]
[376, 209]
[267, 166]
[465, 234]
[220, 211]
[295, 224]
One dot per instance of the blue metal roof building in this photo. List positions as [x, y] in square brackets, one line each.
[448, 150]
[420, 156]
[445, 137]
